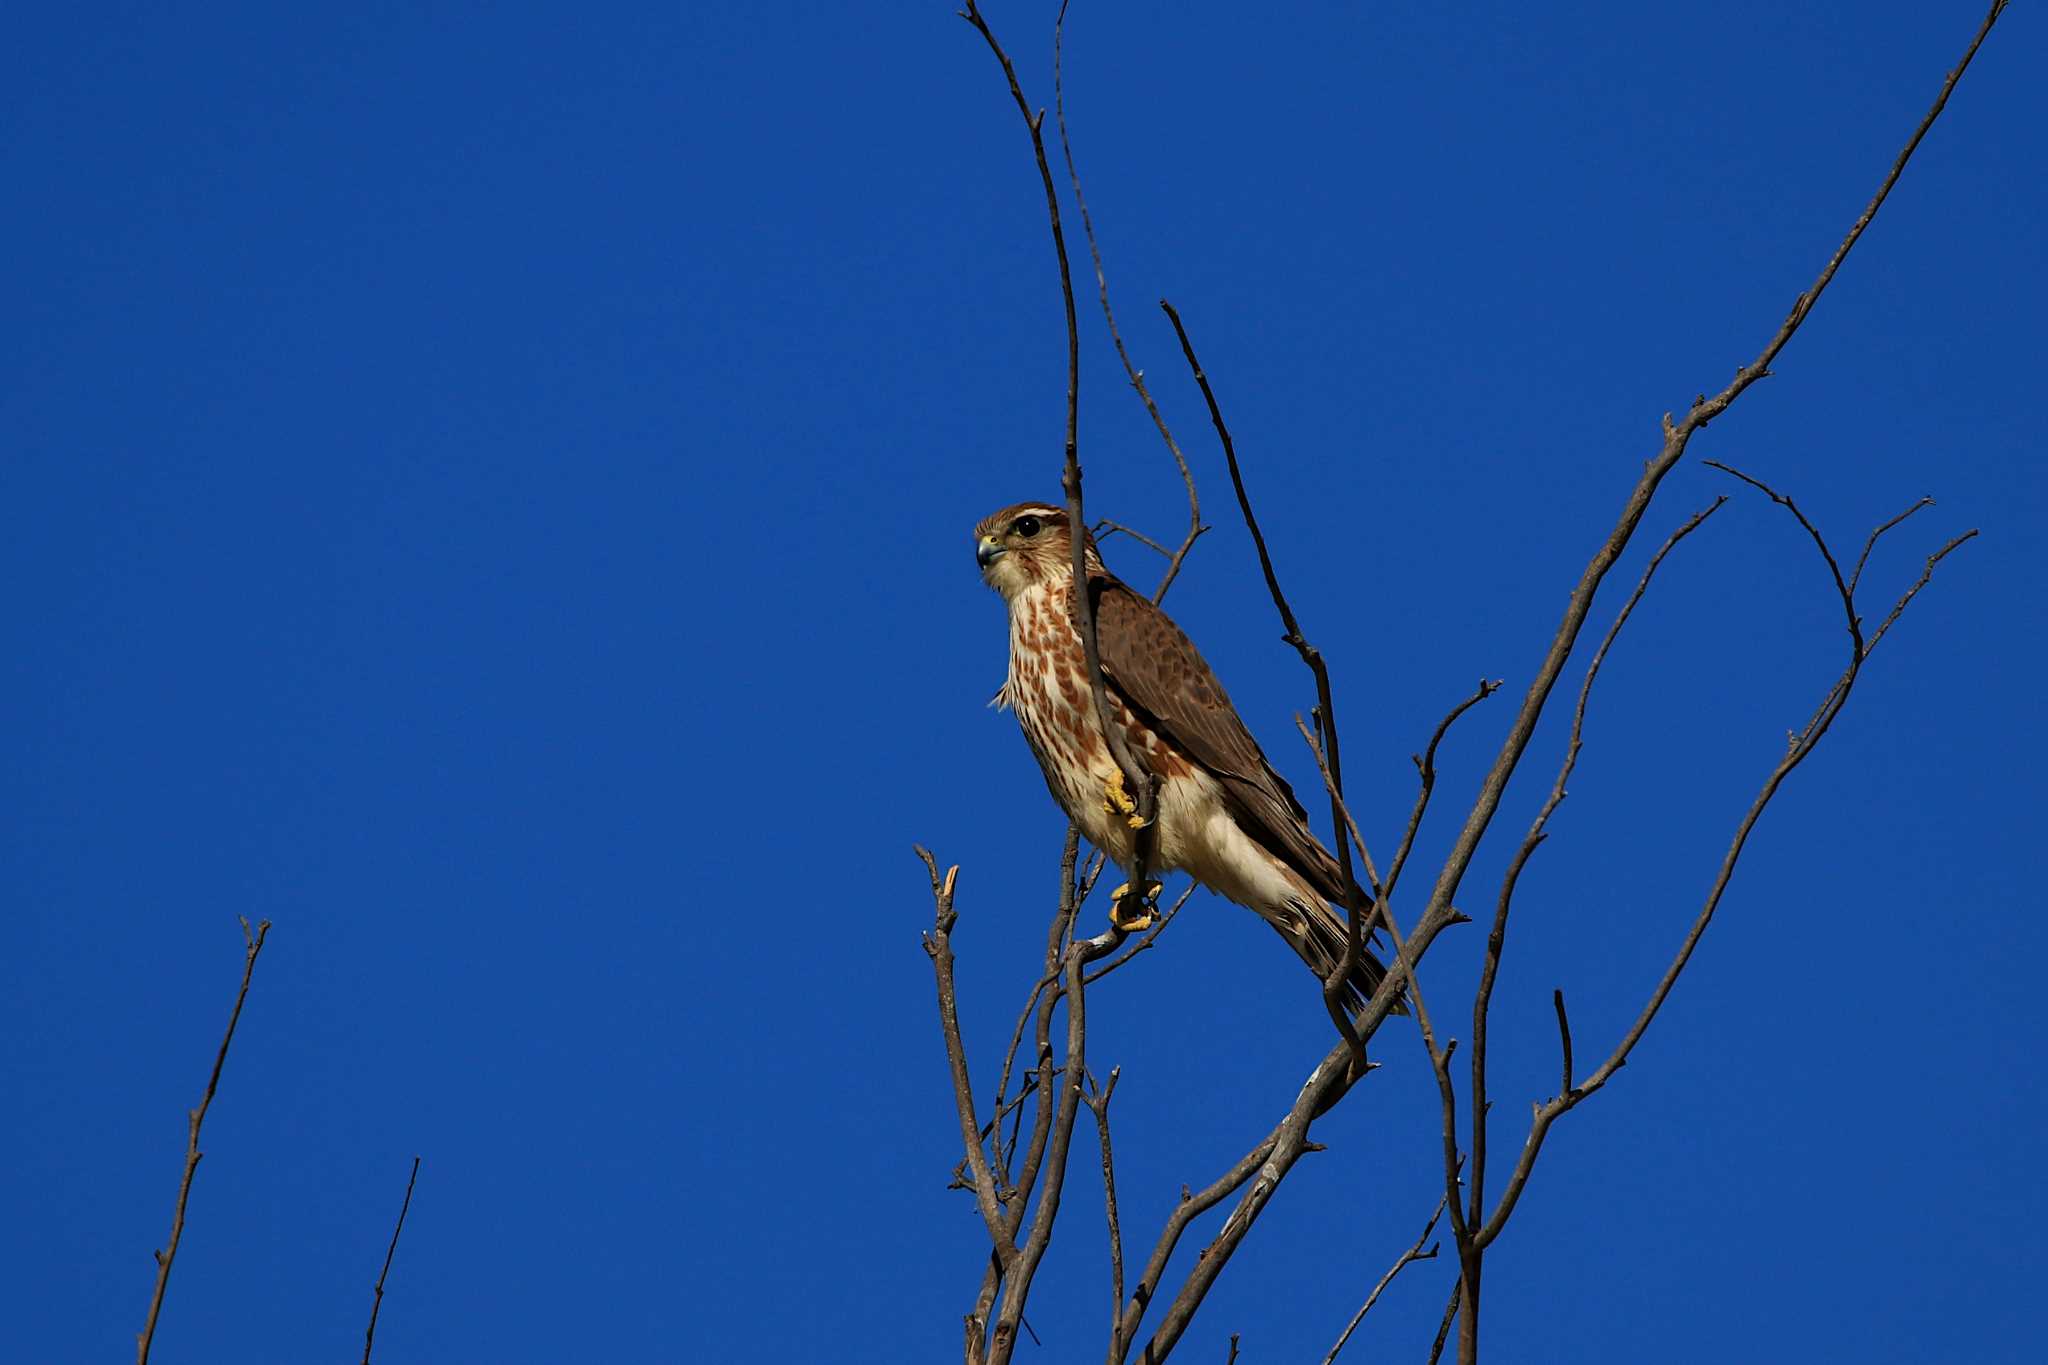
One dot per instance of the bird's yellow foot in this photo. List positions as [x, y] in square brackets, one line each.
[1133, 911]
[1119, 801]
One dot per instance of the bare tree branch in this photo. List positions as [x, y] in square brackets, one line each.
[1106, 528]
[1443, 1328]
[1870, 541]
[1676, 437]
[377, 1303]
[1804, 743]
[1803, 305]
[1018, 1275]
[1174, 558]
[1151, 937]
[252, 944]
[1060, 1085]
[1408, 1257]
[1191, 1207]
[1138, 782]
[1439, 1057]
[1041, 1082]
[1425, 767]
[1070, 897]
[1482, 1000]
[1564, 1040]
[1098, 1104]
[938, 946]
[1326, 713]
[1905, 598]
[1332, 1078]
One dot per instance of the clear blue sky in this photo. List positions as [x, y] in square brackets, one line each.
[486, 487]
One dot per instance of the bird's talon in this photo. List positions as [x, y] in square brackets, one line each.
[1119, 801]
[1144, 915]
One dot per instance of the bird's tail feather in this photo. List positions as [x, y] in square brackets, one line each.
[1321, 946]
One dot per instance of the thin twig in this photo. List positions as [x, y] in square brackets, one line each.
[938, 946]
[1142, 944]
[1408, 1257]
[1138, 782]
[1174, 558]
[377, 1303]
[1870, 542]
[1191, 1207]
[1677, 435]
[1019, 1274]
[1564, 1039]
[1106, 528]
[252, 944]
[1326, 713]
[1098, 1105]
[1438, 911]
[1926, 576]
[1070, 896]
[1803, 745]
[1331, 1080]
[1425, 767]
[1040, 1082]
[1813, 533]
[1496, 938]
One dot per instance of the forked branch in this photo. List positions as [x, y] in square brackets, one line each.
[1496, 938]
[1804, 742]
[1409, 1257]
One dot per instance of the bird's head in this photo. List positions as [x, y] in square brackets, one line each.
[1026, 545]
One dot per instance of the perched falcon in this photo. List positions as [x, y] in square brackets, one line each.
[1225, 817]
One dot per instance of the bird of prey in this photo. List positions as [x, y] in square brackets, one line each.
[1225, 817]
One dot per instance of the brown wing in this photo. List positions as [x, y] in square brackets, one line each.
[1158, 672]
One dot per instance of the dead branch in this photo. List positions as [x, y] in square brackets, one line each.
[1138, 781]
[1018, 1275]
[377, 1303]
[1098, 1104]
[1482, 1000]
[1151, 937]
[1105, 528]
[938, 946]
[1677, 435]
[252, 944]
[1439, 1057]
[1191, 1207]
[1070, 897]
[1332, 1078]
[1425, 767]
[1012, 1265]
[1255, 1176]
[1409, 1257]
[1326, 714]
[1040, 1083]
[1443, 1327]
[1870, 541]
[1803, 744]
[1174, 558]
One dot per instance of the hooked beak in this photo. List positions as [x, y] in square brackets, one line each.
[988, 550]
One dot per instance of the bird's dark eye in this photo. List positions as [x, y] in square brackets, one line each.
[1027, 527]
